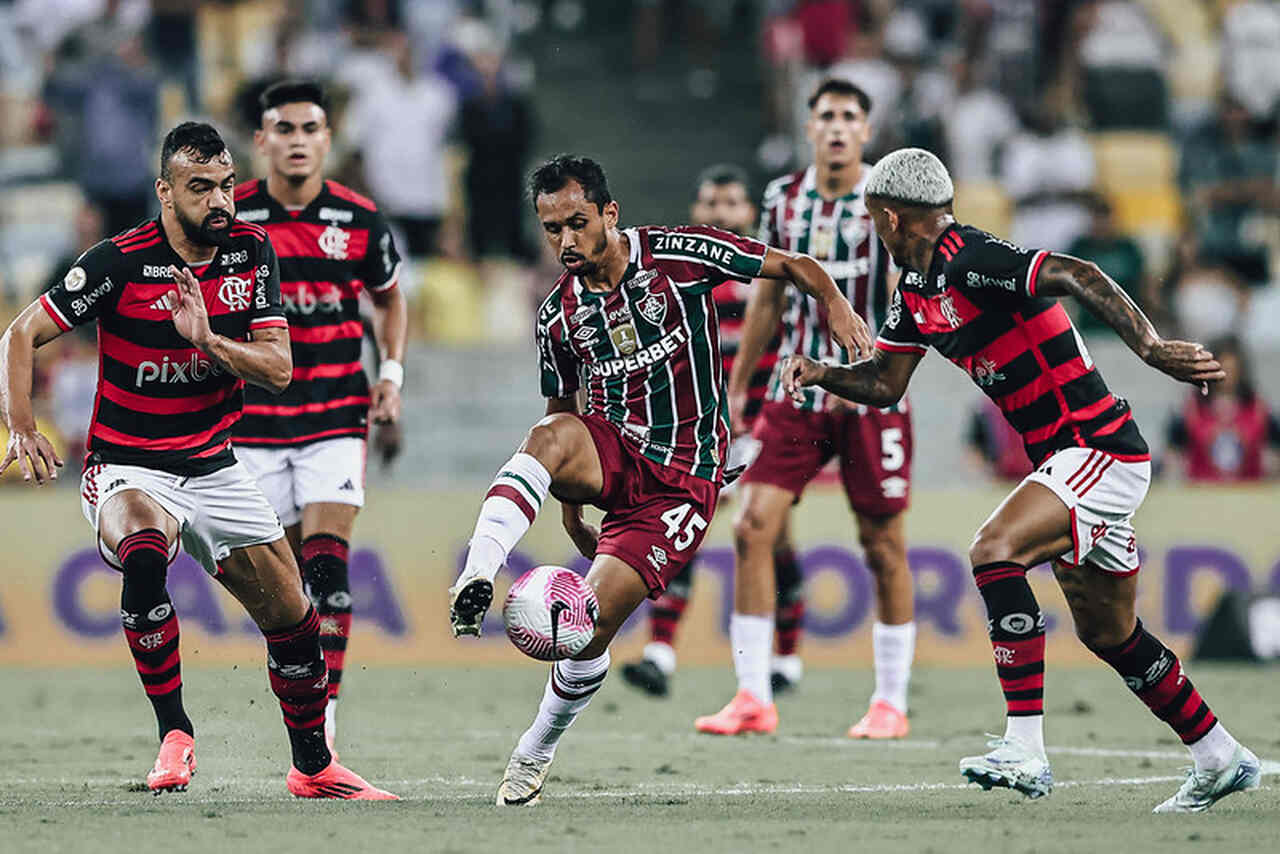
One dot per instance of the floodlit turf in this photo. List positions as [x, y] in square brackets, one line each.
[631, 775]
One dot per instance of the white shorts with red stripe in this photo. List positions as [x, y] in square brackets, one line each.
[292, 477]
[1102, 492]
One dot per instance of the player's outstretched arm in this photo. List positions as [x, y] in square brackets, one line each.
[33, 452]
[391, 329]
[764, 312]
[879, 381]
[266, 360]
[847, 328]
[1063, 275]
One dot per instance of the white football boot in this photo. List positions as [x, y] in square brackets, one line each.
[522, 781]
[1203, 789]
[1010, 764]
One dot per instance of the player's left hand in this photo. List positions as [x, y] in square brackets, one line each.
[384, 403]
[798, 372]
[31, 450]
[186, 305]
[1187, 361]
[849, 330]
[388, 440]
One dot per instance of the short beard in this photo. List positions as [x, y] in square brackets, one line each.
[202, 234]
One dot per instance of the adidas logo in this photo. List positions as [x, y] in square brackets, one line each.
[348, 486]
[162, 304]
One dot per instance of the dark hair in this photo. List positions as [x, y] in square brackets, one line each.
[201, 141]
[722, 175]
[292, 92]
[551, 177]
[840, 86]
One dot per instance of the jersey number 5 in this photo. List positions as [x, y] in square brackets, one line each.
[894, 455]
[683, 524]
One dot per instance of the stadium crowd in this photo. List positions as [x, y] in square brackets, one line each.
[1140, 134]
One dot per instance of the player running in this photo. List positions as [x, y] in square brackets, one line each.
[722, 200]
[173, 365]
[632, 319]
[306, 447]
[990, 307]
[821, 211]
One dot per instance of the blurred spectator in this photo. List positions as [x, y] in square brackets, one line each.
[88, 229]
[1230, 434]
[1251, 56]
[1208, 299]
[1048, 171]
[914, 117]
[497, 126]
[171, 41]
[1122, 61]
[1228, 172]
[400, 121]
[995, 446]
[701, 27]
[1117, 254]
[979, 123]
[110, 105]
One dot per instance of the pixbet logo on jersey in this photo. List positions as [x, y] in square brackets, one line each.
[192, 370]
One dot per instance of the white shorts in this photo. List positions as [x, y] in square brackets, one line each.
[293, 477]
[1102, 492]
[215, 512]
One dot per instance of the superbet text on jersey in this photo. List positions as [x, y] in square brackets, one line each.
[161, 403]
[649, 350]
[329, 251]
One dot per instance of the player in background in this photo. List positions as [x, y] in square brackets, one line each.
[173, 365]
[306, 447]
[722, 200]
[632, 320]
[991, 308]
[821, 211]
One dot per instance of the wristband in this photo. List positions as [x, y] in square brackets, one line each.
[391, 371]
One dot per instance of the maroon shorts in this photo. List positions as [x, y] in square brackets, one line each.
[655, 516]
[874, 448]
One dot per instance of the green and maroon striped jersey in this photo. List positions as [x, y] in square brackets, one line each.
[839, 235]
[648, 351]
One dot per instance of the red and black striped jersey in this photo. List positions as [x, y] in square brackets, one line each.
[731, 305]
[978, 307]
[648, 351]
[329, 251]
[839, 235]
[161, 403]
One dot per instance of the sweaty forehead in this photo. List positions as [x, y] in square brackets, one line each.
[297, 112]
[185, 167]
[564, 203]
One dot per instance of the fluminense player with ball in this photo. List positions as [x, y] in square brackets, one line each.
[632, 320]
[991, 308]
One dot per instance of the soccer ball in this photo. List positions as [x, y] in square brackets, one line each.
[550, 613]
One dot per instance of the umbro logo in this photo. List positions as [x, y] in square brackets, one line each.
[348, 486]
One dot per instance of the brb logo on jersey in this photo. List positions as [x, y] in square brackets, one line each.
[333, 243]
[235, 292]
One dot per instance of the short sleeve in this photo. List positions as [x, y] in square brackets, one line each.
[380, 268]
[268, 310]
[705, 256]
[768, 233]
[990, 263]
[899, 334]
[557, 366]
[87, 291]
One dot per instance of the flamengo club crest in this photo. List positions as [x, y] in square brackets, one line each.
[333, 242]
[653, 308]
[235, 292]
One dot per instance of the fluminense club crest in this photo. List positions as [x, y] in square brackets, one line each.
[653, 308]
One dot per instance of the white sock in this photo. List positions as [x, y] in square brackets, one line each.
[790, 666]
[509, 508]
[570, 688]
[894, 647]
[662, 656]
[1214, 749]
[1029, 729]
[752, 640]
[331, 718]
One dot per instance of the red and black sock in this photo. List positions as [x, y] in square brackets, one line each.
[324, 567]
[789, 620]
[1016, 629]
[296, 668]
[667, 610]
[151, 626]
[1153, 672]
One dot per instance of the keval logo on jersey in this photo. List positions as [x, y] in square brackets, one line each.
[977, 280]
[80, 305]
[336, 215]
[235, 292]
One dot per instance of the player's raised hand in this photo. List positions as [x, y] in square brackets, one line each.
[384, 403]
[34, 454]
[848, 329]
[798, 372]
[186, 305]
[1187, 361]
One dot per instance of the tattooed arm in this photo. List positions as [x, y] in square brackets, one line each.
[879, 381]
[1063, 275]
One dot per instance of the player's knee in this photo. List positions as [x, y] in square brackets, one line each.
[545, 440]
[882, 550]
[989, 546]
[752, 532]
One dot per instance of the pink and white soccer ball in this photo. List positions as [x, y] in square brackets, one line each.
[550, 613]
